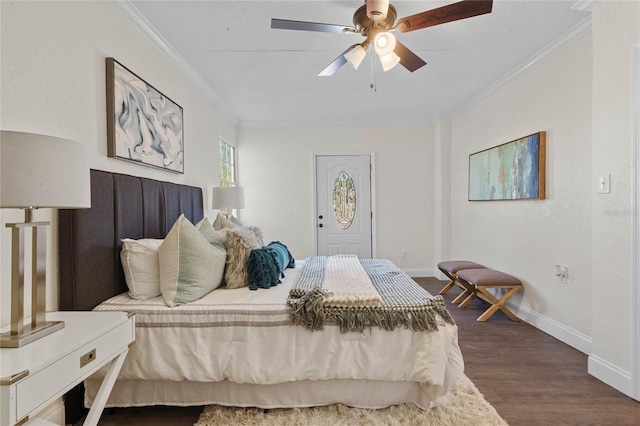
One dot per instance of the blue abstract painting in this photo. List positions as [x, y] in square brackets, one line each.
[144, 125]
[511, 171]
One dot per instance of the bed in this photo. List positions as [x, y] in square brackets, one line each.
[235, 347]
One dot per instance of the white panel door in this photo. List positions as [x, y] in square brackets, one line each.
[343, 205]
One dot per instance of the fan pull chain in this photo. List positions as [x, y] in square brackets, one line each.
[374, 84]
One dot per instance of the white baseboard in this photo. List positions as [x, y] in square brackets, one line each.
[611, 375]
[553, 328]
[598, 368]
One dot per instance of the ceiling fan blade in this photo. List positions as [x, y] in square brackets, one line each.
[284, 24]
[452, 12]
[336, 64]
[408, 59]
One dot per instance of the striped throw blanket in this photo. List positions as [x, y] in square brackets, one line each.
[403, 302]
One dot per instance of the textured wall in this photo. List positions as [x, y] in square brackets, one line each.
[53, 82]
[528, 237]
[276, 169]
[616, 30]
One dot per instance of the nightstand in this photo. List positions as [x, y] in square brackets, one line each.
[33, 376]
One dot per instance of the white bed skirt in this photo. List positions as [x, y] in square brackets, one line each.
[354, 393]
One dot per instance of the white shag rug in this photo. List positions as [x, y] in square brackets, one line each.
[467, 407]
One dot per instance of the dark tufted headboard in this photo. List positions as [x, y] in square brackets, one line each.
[122, 206]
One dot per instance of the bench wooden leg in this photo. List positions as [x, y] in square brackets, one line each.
[497, 303]
[447, 287]
[467, 300]
[462, 296]
[467, 295]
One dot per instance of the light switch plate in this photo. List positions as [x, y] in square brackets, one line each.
[604, 184]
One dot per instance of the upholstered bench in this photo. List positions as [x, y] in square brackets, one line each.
[481, 280]
[450, 268]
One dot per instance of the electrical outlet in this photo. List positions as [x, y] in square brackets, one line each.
[403, 253]
[562, 272]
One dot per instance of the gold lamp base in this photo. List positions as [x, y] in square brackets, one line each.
[29, 334]
[21, 334]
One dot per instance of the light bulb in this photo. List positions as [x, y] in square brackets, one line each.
[384, 43]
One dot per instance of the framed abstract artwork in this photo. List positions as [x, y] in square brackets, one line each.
[143, 125]
[512, 171]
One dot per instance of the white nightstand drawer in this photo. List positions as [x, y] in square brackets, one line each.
[53, 381]
[56, 363]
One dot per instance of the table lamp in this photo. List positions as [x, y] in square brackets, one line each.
[37, 171]
[227, 198]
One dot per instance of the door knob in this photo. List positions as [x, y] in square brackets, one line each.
[320, 217]
[320, 226]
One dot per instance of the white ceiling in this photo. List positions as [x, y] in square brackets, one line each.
[263, 76]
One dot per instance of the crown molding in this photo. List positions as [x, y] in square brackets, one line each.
[126, 8]
[586, 5]
[324, 123]
[576, 32]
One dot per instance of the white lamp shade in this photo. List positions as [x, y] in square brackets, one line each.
[389, 61]
[384, 43]
[355, 56]
[43, 171]
[231, 197]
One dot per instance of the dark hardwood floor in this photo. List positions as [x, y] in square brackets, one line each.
[530, 377]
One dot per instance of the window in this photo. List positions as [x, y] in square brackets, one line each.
[344, 199]
[227, 155]
[228, 177]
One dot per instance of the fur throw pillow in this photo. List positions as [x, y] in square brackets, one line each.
[239, 243]
[257, 232]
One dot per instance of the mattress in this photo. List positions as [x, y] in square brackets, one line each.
[240, 336]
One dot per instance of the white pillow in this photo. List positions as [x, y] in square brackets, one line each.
[141, 267]
[190, 267]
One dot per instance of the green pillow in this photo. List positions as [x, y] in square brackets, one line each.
[222, 222]
[190, 267]
[214, 237]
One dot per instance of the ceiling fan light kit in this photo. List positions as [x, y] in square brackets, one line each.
[375, 21]
[389, 61]
[356, 55]
[384, 43]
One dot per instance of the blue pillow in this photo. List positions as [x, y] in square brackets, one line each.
[283, 256]
[262, 269]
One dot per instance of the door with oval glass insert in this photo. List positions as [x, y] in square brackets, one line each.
[343, 205]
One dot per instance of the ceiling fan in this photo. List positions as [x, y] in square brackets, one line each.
[376, 20]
